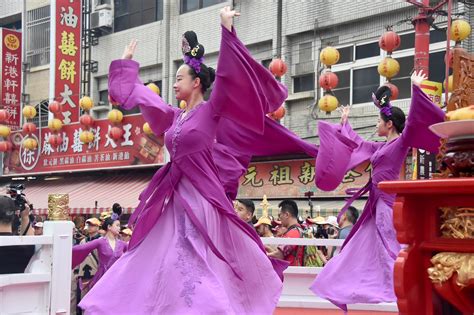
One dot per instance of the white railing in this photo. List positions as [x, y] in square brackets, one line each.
[45, 287]
[296, 293]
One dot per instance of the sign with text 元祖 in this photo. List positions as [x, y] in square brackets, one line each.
[11, 76]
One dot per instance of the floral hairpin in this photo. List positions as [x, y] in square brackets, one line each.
[384, 106]
[194, 63]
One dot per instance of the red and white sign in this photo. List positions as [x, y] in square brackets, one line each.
[10, 75]
[67, 85]
[134, 148]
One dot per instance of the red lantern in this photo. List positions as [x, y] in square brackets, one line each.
[328, 80]
[3, 115]
[116, 133]
[55, 140]
[394, 89]
[86, 120]
[29, 128]
[278, 114]
[4, 147]
[389, 41]
[278, 67]
[54, 107]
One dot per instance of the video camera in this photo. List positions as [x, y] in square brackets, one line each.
[16, 193]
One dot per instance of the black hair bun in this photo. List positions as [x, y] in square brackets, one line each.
[190, 45]
[383, 92]
[117, 208]
[212, 74]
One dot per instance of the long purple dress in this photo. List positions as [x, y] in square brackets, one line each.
[107, 255]
[363, 271]
[190, 253]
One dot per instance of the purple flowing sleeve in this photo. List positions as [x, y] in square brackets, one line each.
[244, 90]
[423, 113]
[80, 252]
[126, 88]
[236, 146]
[340, 149]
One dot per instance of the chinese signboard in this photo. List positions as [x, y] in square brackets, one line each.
[434, 90]
[68, 58]
[292, 179]
[135, 148]
[10, 65]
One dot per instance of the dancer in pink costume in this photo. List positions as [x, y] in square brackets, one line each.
[370, 250]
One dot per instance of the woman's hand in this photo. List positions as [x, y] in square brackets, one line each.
[418, 78]
[227, 16]
[130, 50]
[344, 110]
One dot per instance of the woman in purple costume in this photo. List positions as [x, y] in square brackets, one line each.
[190, 253]
[109, 247]
[363, 271]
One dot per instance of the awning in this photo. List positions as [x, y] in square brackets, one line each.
[91, 194]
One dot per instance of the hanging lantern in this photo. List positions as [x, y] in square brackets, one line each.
[4, 147]
[29, 112]
[153, 87]
[147, 129]
[328, 103]
[86, 120]
[278, 67]
[394, 89]
[389, 41]
[329, 56]
[450, 83]
[115, 116]
[460, 30]
[54, 107]
[112, 101]
[4, 131]
[86, 103]
[278, 114]
[3, 115]
[30, 143]
[182, 105]
[55, 140]
[328, 80]
[29, 128]
[388, 67]
[116, 133]
[86, 136]
[55, 124]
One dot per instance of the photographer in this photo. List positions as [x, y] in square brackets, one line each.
[14, 259]
[22, 219]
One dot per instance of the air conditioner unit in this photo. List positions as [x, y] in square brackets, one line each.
[102, 19]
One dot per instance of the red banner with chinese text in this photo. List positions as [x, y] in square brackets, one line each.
[292, 179]
[68, 58]
[10, 65]
[135, 148]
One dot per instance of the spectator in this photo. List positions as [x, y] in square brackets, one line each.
[38, 227]
[347, 221]
[264, 229]
[245, 209]
[288, 215]
[126, 235]
[14, 259]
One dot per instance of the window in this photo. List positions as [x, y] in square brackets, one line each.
[192, 5]
[266, 63]
[407, 41]
[343, 89]
[367, 50]
[437, 67]
[346, 54]
[303, 83]
[129, 14]
[364, 82]
[37, 44]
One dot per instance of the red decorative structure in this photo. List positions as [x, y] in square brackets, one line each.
[425, 214]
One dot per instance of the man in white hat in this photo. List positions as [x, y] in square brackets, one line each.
[38, 226]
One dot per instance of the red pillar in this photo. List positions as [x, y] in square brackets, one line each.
[422, 39]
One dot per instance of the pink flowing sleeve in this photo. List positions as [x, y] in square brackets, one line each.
[340, 149]
[126, 88]
[423, 113]
[80, 252]
[244, 90]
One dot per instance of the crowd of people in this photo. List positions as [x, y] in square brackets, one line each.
[290, 224]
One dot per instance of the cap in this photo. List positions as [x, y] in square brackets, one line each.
[332, 220]
[38, 225]
[93, 221]
[263, 220]
[126, 231]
